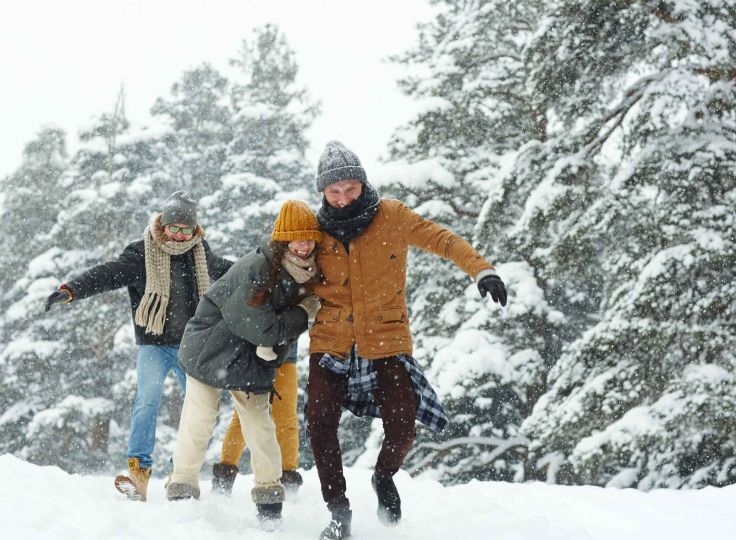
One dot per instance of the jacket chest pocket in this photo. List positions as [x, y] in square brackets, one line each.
[327, 326]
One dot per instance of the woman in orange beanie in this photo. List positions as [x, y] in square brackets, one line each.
[294, 216]
[241, 332]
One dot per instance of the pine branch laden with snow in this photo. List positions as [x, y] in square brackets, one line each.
[428, 455]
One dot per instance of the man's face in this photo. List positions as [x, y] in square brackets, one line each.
[176, 232]
[342, 193]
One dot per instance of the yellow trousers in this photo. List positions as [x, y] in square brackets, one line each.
[284, 416]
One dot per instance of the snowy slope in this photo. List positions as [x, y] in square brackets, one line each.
[45, 502]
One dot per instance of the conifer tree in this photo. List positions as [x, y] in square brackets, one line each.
[64, 368]
[646, 101]
[469, 76]
[31, 198]
[198, 121]
[602, 185]
[264, 162]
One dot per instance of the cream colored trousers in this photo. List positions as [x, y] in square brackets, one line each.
[198, 417]
[284, 416]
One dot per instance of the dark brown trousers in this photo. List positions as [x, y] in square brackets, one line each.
[326, 392]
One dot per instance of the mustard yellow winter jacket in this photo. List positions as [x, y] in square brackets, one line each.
[364, 291]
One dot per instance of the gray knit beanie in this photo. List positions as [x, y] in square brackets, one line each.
[338, 163]
[179, 208]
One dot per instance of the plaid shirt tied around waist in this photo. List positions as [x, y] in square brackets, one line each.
[362, 380]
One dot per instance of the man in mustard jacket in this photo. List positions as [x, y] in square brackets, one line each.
[362, 257]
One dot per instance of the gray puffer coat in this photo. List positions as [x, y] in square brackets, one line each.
[218, 347]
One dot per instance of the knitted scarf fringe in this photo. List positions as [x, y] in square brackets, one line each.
[149, 313]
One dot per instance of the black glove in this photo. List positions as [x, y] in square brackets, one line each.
[62, 296]
[493, 285]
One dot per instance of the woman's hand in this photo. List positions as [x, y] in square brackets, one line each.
[266, 353]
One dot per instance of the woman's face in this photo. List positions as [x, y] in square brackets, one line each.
[302, 248]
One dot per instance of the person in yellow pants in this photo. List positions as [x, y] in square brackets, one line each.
[287, 434]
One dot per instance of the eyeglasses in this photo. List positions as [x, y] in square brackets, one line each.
[183, 230]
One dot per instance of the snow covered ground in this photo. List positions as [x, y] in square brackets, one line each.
[45, 502]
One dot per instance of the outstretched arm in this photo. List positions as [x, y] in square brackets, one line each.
[430, 236]
[128, 268]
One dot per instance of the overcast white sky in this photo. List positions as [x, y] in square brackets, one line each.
[62, 62]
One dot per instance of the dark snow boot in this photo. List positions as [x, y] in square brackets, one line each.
[339, 526]
[389, 502]
[269, 501]
[223, 478]
[269, 515]
[291, 481]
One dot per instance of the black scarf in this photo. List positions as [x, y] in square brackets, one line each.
[350, 221]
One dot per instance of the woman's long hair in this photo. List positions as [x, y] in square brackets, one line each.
[278, 250]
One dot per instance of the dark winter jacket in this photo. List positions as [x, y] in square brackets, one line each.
[129, 269]
[219, 344]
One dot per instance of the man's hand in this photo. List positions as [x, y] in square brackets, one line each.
[493, 284]
[311, 305]
[62, 296]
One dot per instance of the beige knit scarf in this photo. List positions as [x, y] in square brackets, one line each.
[302, 270]
[151, 312]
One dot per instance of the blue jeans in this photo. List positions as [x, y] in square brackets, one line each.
[154, 364]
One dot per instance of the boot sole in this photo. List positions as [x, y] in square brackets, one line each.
[125, 485]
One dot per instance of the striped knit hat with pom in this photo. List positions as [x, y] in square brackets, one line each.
[296, 222]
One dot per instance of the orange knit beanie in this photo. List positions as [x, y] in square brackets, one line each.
[295, 222]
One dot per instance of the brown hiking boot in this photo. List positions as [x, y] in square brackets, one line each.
[134, 485]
